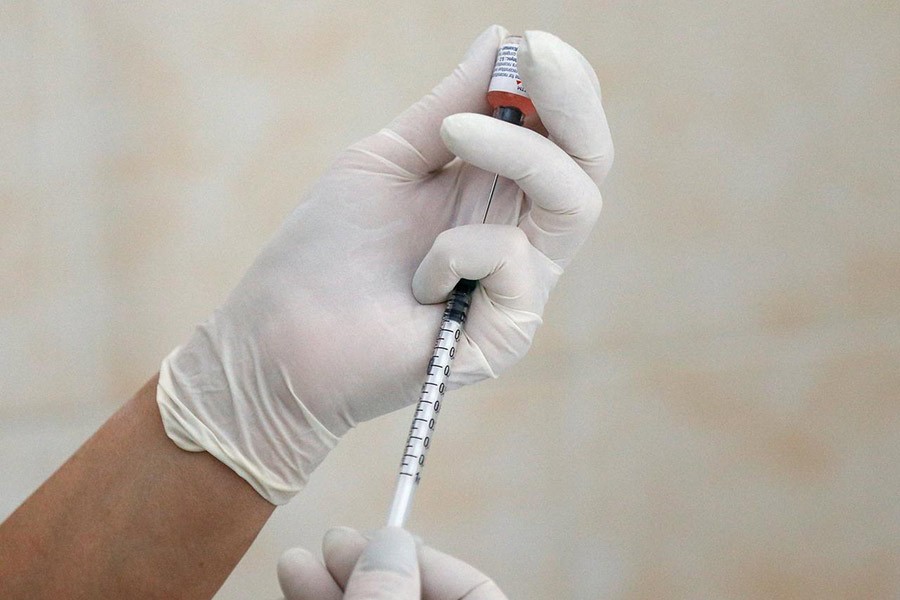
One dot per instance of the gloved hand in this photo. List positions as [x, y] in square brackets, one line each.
[335, 321]
[387, 567]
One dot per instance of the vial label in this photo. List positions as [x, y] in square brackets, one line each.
[505, 77]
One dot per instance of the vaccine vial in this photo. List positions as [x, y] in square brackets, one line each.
[506, 94]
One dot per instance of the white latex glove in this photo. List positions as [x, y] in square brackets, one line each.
[387, 567]
[335, 321]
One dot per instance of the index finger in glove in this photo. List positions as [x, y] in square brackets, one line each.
[565, 200]
[566, 95]
[443, 577]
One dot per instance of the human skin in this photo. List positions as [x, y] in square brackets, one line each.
[130, 515]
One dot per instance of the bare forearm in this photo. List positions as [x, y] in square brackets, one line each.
[130, 515]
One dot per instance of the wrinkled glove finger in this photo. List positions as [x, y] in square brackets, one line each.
[387, 569]
[341, 548]
[303, 577]
[410, 146]
[443, 576]
[565, 201]
[566, 94]
[516, 280]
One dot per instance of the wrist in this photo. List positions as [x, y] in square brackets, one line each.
[214, 395]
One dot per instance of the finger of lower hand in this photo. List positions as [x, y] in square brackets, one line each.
[445, 577]
[341, 548]
[388, 568]
[303, 577]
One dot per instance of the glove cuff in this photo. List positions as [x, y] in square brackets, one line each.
[272, 443]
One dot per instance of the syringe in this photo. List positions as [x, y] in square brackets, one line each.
[511, 103]
[430, 398]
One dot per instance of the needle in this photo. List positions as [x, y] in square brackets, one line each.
[490, 197]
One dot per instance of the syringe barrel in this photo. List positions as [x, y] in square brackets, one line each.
[430, 398]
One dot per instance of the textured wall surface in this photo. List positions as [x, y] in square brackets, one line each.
[712, 409]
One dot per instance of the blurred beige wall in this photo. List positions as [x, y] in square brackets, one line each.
[712, 409]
